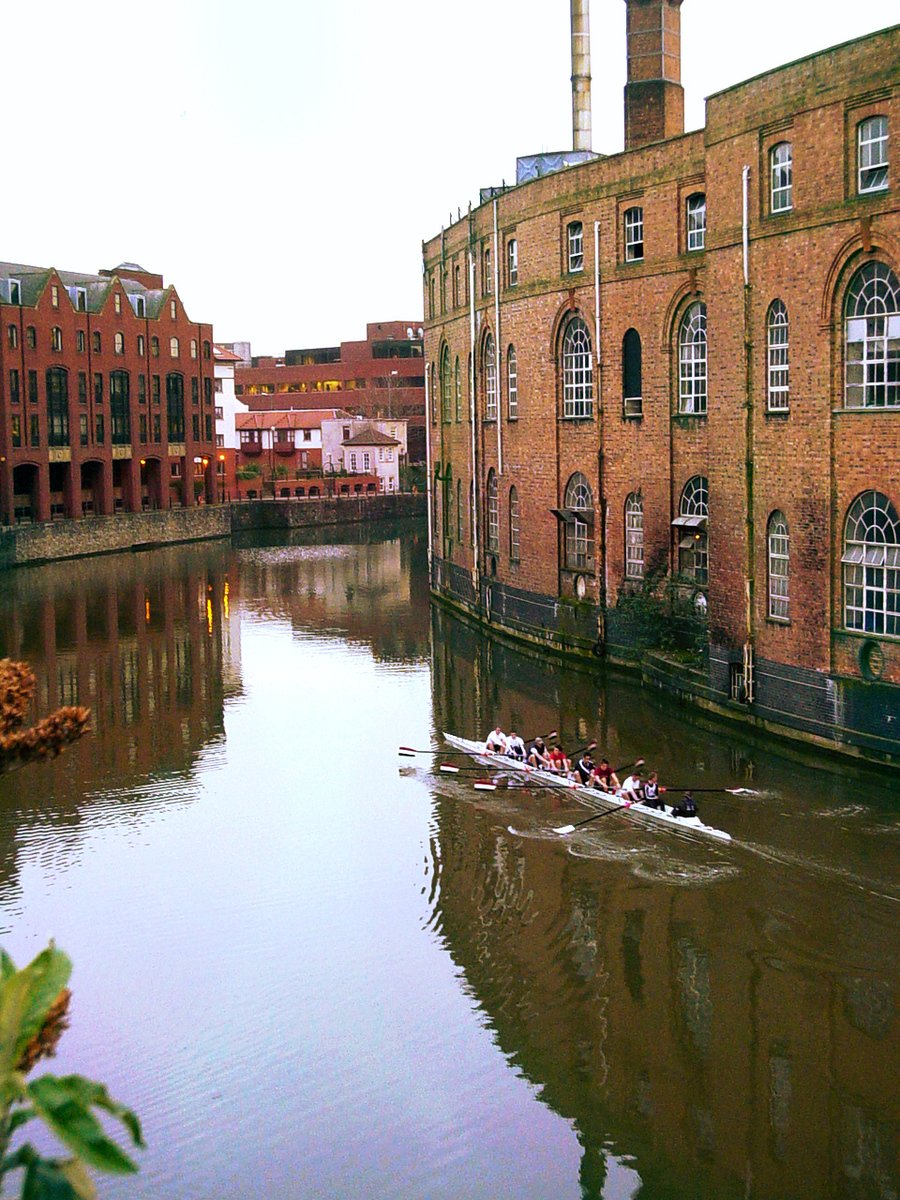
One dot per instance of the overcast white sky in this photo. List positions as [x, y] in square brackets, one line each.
[281, 162]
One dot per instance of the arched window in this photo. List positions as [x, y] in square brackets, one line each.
[193, 347]
[512, 384]
[489, 366]
[872, 154]
[693, 512]
[781, 177]
[692, 361]
[56, 342]
[457, 391]
[446, 385]
[13, 336]
[872, 348]
[634, 537]
[493, 513]
[578, 513]
[119, 343]
[631, 374]
[777, 365]
[513, 524]
[577, 370]
[119, 407]
[778, 549]
[459, 510]
[96, 341]
[872, 565]
[174, 348]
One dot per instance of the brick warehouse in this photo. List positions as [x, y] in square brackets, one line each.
[106, 395]
[685, 398]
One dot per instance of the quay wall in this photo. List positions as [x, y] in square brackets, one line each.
[49, 541]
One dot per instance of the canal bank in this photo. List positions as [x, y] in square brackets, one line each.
[27, 545]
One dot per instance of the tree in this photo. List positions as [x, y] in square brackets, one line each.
[34, 1006]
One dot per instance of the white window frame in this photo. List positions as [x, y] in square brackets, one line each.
[490, 378]
[493, 513]
[778, 567]
[512, 383]
[514, 530]
[693, 542]
[695, 221]
[871, 562]
[692, 362]
[512, 262]
[872, 338]
[119, 343]
[872, 155]
[781, 177]
[777, 358]
[14, 290]
[575, 246]
[634, 234]
[174, 347]
[487, 276]
[579, 538]
[577, 371]
[634, 537]
[138, 303]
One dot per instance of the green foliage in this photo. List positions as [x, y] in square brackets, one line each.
[33, 1015]
[249, 471]
[413, 476]
[660, 614]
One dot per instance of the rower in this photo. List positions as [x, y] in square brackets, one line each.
[605, 777]
[687, 807]
[538, 756]
[652, 798]
[585, 768]
[496, 741]
[515, 747]
[633, 787]
[559, 764]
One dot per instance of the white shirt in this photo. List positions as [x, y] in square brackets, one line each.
[515, 747]
[632, 786]
[497, 739]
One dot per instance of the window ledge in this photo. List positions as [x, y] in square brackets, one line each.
[578, 420]
[868, 410]
[777, 414]
[632, 416]
[783, 621]
[687, 416]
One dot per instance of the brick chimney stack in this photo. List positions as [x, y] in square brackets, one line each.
[654, 98]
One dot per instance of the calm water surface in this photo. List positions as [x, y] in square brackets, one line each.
[317, 970]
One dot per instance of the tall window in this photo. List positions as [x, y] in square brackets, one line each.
[12, 336]
[119, 343]
[696, 221]
[493, 513]
[781, 175]
[57, 407]
[119, 408]
[575, 246]
[96, 341]
[446, 385]
[872, 154]
[872, 565]
[634, 537]
[459, 512]
[457, 390]
[512, 262]
[579, 518]
[456, 286]
[512, 383]
[632, 394]
[692, 360]
[175, 406]
[778, 547]
[487, 279]
[578, 371]
[634, 234]
[174, 349]
[56, 342]
[872, 349]
[693, 512]
[513, 524]
[490, 378]
[449, 519]
[777, 363]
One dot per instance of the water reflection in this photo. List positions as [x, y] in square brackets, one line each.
[722, 1025]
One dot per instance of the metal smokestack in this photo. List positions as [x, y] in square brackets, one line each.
[581, 75]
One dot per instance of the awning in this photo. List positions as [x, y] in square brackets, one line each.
[691, 522]
[570, 515]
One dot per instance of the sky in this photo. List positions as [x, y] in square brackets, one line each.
[282, 163]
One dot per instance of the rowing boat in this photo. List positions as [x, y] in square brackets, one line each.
[592, 797]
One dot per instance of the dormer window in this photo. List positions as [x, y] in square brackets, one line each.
[79, 298]
[14, 291]
[139, 304]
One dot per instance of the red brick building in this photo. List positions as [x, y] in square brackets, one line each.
[667, 381]
[106, 395]
[382, 377]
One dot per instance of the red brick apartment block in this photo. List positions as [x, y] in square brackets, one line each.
[106, 395]
[671, 376]
[382, 377]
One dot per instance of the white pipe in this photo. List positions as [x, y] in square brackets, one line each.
[429, 482]
[473, 494]
[745, 226]
[498, 350]
[599, 396]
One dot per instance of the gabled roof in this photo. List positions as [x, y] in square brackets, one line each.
[310, 418]
[225, 356]
[370, 437]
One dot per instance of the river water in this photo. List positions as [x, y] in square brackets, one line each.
[318, 970]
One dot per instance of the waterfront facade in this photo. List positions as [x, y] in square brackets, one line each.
[381, 378]
[666, 383]
[106, 395]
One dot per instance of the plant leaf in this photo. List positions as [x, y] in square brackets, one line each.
[65, 1104]
[56, 1179]
[26, 997]
[19, 1117]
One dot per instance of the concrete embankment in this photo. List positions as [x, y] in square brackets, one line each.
[28, 544]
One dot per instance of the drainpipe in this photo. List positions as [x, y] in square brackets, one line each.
[429, 482]
[471, 381]
[604, 575]
[748, 437]
[499, 351]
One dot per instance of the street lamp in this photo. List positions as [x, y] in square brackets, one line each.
[222, 479]
[390, 394]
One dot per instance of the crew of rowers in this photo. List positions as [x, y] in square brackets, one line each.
[598, 775]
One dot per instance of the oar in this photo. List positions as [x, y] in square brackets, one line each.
[410, 751]
[740, 791]
[491, 785]
[565, 829]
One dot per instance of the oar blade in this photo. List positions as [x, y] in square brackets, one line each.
[450, 768]
[484, 785]
[406, 753]
[564, 829]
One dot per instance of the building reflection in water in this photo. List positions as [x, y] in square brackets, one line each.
[709, 1021]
